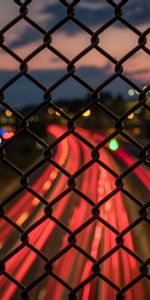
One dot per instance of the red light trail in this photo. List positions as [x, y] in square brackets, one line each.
[96, 239]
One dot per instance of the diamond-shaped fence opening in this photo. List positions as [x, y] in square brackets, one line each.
[74, 158]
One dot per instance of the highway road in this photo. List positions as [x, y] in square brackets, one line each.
[73, 209]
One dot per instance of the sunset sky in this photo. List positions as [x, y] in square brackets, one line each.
[70, 40]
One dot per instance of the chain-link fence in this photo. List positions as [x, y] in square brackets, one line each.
[99, 281]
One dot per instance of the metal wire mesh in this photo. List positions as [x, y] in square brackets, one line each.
[47, 154]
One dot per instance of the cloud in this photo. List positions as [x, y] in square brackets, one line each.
[137, 11]
[141, 75]
[94, 5]
[22, 33]
[68, 45]
[116, 41]
[47, 13]
[138, 68]
[95, 13]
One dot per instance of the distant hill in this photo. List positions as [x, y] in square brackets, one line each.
[23, 92]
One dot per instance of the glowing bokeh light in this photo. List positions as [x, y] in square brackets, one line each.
[7, 135]
[86, 113]
[137, 130]
[2, 131]
[113, 145]
[131, 92]
[8, 113]
[57, 113]
[131, 116]
[50, 111]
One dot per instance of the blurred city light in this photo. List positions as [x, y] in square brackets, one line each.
[3, 120]
[57, 113]
[113, 145]
[86, 113]
[2, 131]
[8, 113]
[50, 111]
[137, 130]
[131, 116]
[7, 135]
[131, 92]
